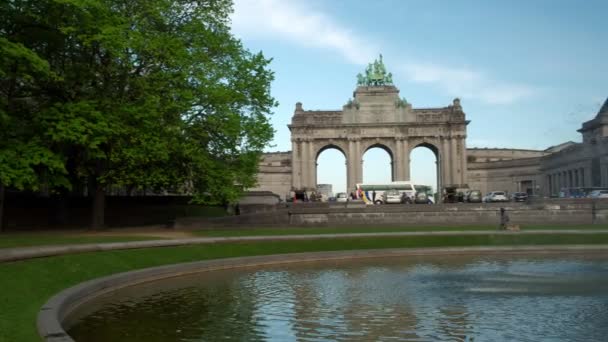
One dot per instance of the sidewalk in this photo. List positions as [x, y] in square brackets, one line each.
[22, 253]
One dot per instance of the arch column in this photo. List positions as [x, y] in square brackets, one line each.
[405, 148]
[463, 160]
[296, 165]
[308, 166]
[446, 168]
[398, 161]
[354, 164]
[351, 168]
[359, 161]
[439, 190]
[454, 161]
[305, 162]
[312, 166]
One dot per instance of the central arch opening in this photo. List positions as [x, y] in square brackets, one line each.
[378, 165]
[424, 168]
[331, 172]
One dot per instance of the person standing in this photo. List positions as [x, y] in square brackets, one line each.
[504, 219]
[374, 196]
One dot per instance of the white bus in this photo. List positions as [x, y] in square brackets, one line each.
[366, 191]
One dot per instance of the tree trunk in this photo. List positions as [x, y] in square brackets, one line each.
[99, 206]
[1, 205]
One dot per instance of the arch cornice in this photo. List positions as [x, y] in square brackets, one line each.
[321, 145]
[387, 144]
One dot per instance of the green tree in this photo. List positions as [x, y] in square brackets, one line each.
[26, 161]
[149, 94]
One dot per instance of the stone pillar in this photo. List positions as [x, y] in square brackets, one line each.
[350, 166]
[446, 168]
[398, 162]
[463, 161]
[359, 164]
[305, 162]
[454, 161]
[439, 178]
[405, 147]
[296, 165]
[312, 166]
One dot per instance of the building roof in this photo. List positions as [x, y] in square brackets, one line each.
[600, 119]
[604, 110]
[559, 147]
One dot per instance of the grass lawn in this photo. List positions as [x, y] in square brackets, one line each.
[8, 240]
[367, 229]
[26, 285]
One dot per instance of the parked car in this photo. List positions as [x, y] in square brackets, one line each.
[577, 192]
[496, 196]
[474, 196]
[519, 197]
[405, 199]
[598, 194]
[392, 196]
[342, 197]
[422, 198]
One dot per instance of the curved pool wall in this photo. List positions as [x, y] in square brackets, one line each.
[55, 312]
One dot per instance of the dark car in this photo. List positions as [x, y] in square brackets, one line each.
[519, 197]
[474, 196]
[422, 198]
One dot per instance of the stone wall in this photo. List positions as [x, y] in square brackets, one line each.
[452, 215]
[275, 174]
[513, 175]
[545, 212]
[483, 155]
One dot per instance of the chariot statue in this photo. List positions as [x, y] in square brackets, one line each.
[375, 75]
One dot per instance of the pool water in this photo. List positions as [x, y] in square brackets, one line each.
[515, 298]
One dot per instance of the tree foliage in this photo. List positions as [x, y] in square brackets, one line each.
[153, 94]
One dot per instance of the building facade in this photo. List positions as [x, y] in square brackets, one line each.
[377, 117]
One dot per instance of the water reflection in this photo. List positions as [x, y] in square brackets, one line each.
[418, 299]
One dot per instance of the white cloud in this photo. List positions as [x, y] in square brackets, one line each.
[293, 21]
[467, 83]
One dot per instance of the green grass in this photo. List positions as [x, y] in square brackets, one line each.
[8, 240]
[39, 239]
[26, 285]
[362, 229]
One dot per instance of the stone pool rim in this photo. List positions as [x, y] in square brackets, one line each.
[57, 308]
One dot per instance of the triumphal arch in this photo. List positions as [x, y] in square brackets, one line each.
[377, 116]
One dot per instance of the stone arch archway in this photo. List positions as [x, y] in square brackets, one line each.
[378, 117]
[434, 145]
[322, 146]
[385, 145]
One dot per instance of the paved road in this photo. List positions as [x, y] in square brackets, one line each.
[21, 253]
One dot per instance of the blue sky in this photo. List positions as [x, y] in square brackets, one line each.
[527, 72]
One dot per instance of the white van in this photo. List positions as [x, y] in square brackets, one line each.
[342, 197]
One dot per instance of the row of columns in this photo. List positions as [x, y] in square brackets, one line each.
[566, 179]
[451, 165]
